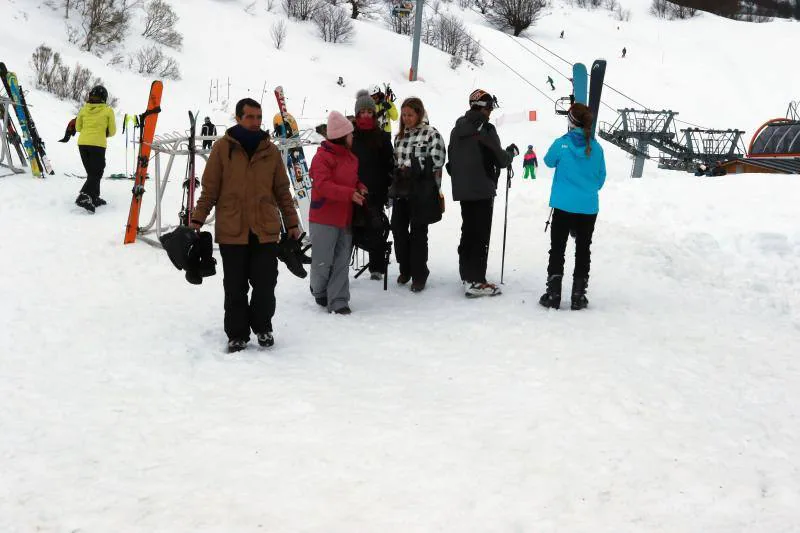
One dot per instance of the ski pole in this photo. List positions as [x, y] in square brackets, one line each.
[546, 224]
[509, 175]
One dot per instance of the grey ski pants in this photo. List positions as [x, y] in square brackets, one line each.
[330, 261]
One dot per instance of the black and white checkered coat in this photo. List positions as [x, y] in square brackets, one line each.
[420, 142]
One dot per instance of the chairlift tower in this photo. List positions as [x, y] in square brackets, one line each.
[635, 130]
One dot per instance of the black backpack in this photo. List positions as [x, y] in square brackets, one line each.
[370, 228]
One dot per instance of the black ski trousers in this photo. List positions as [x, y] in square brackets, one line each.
[476, 230]
[410, 242]
[582, 227]
[244, 265]
[94, 161]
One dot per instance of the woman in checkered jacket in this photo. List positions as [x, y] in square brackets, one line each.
[419, 155]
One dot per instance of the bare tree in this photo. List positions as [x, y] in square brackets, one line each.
[64, 82]
[660, 8]
[300, 9]
[622, 14]
[449, 34]
[334, 24]
[278, 33]
[361, 7]
[515, 15]
[160, 24]
[484, 5]
[103, 23]
[400, 25]
[151, 60]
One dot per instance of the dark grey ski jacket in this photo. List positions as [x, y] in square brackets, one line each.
[475, 158]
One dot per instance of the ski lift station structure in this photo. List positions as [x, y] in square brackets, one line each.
[775, 147]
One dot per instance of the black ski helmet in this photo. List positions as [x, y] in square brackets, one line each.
[98, 93]
[482, 99]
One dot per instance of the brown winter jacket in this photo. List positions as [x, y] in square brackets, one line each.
[250, 194]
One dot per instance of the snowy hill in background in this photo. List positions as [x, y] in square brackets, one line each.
[669, 406]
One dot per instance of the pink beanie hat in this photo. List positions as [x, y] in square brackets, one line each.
[338, 126]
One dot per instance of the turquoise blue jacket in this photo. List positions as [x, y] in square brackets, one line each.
[578, 177]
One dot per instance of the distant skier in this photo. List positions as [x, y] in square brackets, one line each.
[208, 129]
[95, 123]
[580, 174]
[624, 52]
[552, 84]
[385, 110]
[562, 34]
[340, 82]
[529, 163]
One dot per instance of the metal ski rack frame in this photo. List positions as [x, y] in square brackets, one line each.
[176, 144]
[5, 145]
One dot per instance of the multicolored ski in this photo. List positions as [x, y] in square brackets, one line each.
[10, 83]
[146, 133]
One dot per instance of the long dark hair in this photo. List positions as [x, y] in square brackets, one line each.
[582, 117]
[417, 106]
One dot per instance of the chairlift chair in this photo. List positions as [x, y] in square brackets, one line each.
[402, 8]
[563, 104]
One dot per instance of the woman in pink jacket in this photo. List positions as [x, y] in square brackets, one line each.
[335, 187]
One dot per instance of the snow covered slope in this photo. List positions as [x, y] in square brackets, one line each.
[669, 406]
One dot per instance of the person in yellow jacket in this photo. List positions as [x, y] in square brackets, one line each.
[95, 123]
[385, 110]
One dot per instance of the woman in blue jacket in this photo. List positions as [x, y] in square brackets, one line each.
[580, 174]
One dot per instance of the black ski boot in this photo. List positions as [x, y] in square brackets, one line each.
[552, 298]
[85, 201]
[579, 300]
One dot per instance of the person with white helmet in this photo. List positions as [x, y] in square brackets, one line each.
[385, 110]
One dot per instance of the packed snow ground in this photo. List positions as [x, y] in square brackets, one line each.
[670, 405]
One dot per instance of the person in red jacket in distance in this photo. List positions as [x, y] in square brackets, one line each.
[335, 187]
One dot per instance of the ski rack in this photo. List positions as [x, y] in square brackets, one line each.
[177, 144]
[5, 145]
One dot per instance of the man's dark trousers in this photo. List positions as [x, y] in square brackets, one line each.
[244, 265]
[476, 230]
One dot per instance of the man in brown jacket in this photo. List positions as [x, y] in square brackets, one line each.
[245, 179]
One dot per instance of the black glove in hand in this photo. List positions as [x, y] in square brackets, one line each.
[512, 150]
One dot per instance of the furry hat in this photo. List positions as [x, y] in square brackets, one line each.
[364, 101]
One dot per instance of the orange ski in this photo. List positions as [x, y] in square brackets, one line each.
[146, 133]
